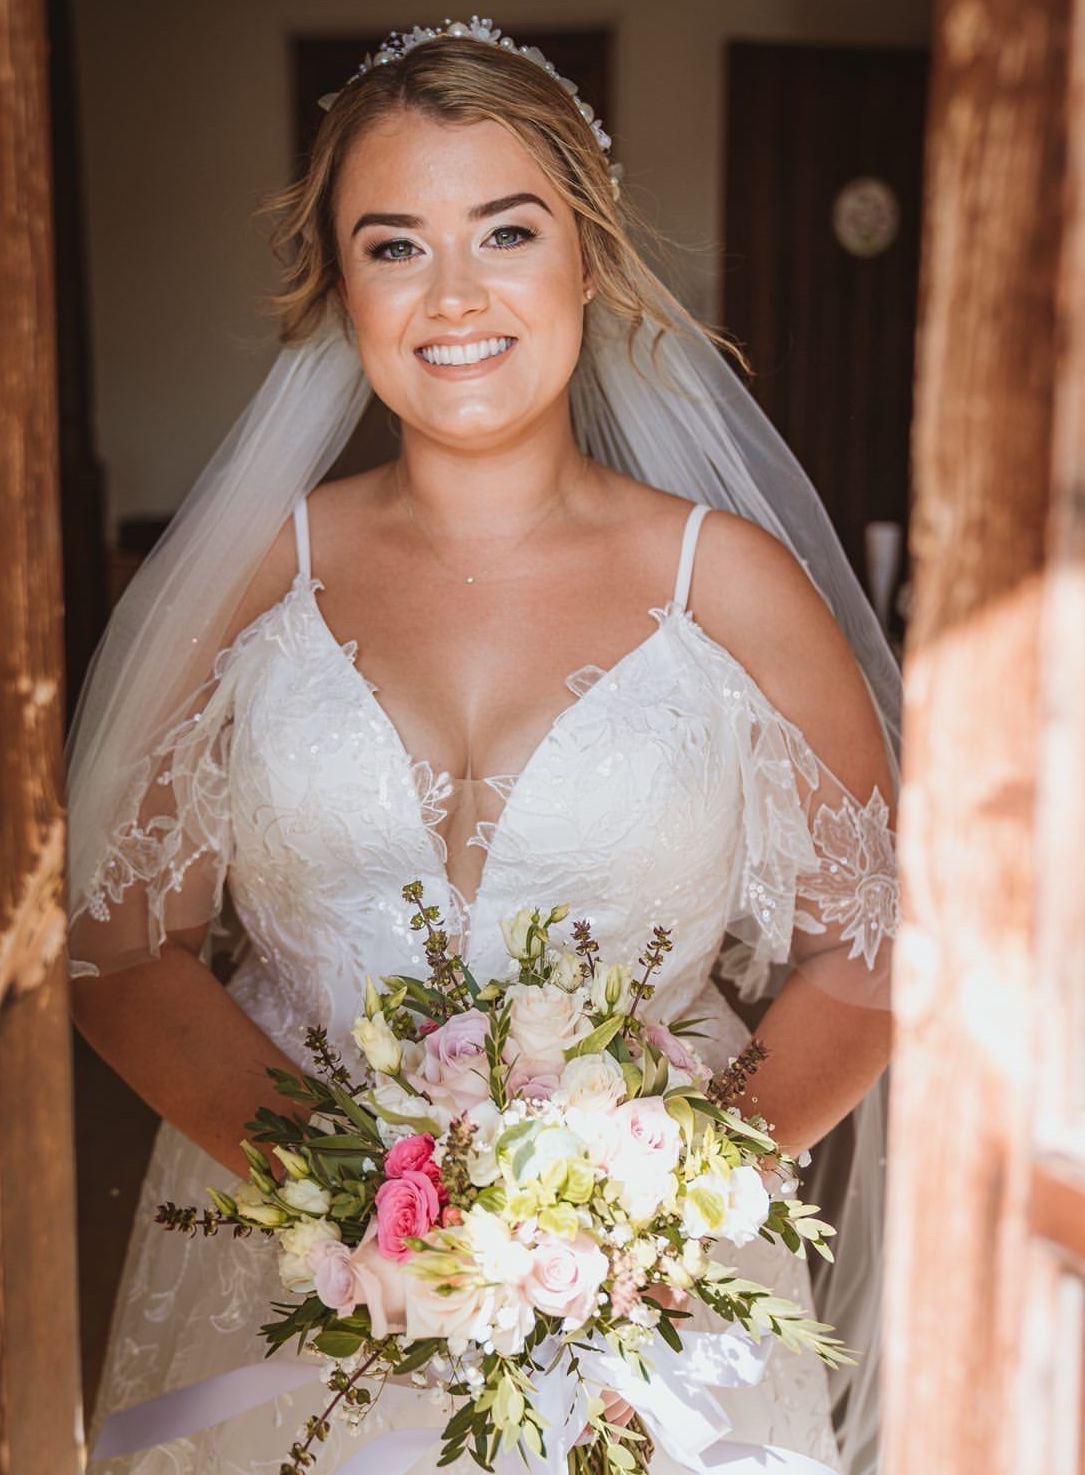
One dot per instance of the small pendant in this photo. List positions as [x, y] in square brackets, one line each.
[470, 578]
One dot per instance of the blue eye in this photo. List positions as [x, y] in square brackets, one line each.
[503, 238]
[388, 250]
[520, 233]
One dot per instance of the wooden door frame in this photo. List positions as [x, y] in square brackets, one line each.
[988, 969]
[40, 1405]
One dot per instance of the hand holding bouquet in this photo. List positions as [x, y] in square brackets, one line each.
[512, 1199]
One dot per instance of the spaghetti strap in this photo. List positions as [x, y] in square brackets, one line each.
[301, 536]
[689, 544]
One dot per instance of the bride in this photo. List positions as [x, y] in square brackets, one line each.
[589, 639]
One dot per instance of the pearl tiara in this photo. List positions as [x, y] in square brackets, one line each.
[397, 44]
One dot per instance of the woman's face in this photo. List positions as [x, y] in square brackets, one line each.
[453, 246]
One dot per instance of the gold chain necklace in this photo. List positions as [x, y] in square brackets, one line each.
[475, 578]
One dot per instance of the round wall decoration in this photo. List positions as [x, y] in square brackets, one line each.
[866, 217]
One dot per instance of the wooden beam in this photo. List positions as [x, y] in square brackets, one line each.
[40, 1406]
[966, 991]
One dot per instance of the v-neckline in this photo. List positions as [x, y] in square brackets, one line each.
[348, 649]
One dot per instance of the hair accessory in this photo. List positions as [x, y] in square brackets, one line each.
[397, 44]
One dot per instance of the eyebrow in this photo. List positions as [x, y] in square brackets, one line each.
[476, 212]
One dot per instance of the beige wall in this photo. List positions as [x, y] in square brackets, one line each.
[186, 116]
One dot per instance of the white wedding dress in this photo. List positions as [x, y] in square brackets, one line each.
[668, 790]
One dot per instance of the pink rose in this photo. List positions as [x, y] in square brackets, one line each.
[534, 1080]
[381, 1285]
[415, 1154]
[676, 1051]
[407, 1207]
[649, 1141]
[565, 1277]
[651, 1135]
[454, 1072]
[334, 1277]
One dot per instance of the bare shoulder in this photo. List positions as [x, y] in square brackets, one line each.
[328, 507]
[751, 595]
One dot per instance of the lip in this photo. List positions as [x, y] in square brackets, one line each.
[465, 371]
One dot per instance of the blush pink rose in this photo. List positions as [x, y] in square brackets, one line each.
[381, 1285]
[565, 1277]
[407, 1207]
[454, 1072]
[533, 1080]
[651, 1135]
[415, 1154]
[676, 1050]
[334, 1277]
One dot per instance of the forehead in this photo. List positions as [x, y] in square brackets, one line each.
[409, 163]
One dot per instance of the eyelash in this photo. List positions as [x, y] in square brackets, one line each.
[377, 250]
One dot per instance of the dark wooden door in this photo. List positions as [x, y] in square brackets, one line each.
[823, 145]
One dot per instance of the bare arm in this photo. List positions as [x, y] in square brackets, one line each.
[170, 1029]
[827, 1049]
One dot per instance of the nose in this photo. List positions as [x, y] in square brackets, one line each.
[456, 288]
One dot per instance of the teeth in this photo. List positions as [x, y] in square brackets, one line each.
[465, 353]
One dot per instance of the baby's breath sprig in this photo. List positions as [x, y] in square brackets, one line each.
[318, 1426]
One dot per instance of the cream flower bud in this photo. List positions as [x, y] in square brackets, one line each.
[378, 1044]
[612, 988]
[252, 1205]
[524, 934]
[293, 1162]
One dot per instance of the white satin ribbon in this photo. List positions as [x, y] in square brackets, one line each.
[676, 1404]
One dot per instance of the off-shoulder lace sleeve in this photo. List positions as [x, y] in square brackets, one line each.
[817, 888]
[161, 870]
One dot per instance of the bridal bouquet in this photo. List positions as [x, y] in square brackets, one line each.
[512, 1197]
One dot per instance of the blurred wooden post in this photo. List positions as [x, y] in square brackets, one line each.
[40, 1407]
[989, 961]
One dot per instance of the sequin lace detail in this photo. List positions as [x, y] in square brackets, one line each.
[856, 882]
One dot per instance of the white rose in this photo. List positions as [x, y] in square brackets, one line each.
[511, 1319]
[296, 1245]
[592, 1082]
[306, 1196]
[482, 1166]
[545, 1021]
[462, 1314]
[501, 1259]
[733, 1205]
[612, 988]
[748, 1206]
[390, 1100]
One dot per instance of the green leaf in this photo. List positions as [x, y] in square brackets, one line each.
[620, 1457]
[599, 1039]
[339, 1344]
[667, 1330]
[420, 1353]
[679, 1108]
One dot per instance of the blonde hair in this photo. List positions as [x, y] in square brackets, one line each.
[456, 80]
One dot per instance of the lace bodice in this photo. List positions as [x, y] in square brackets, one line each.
[669, 791]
